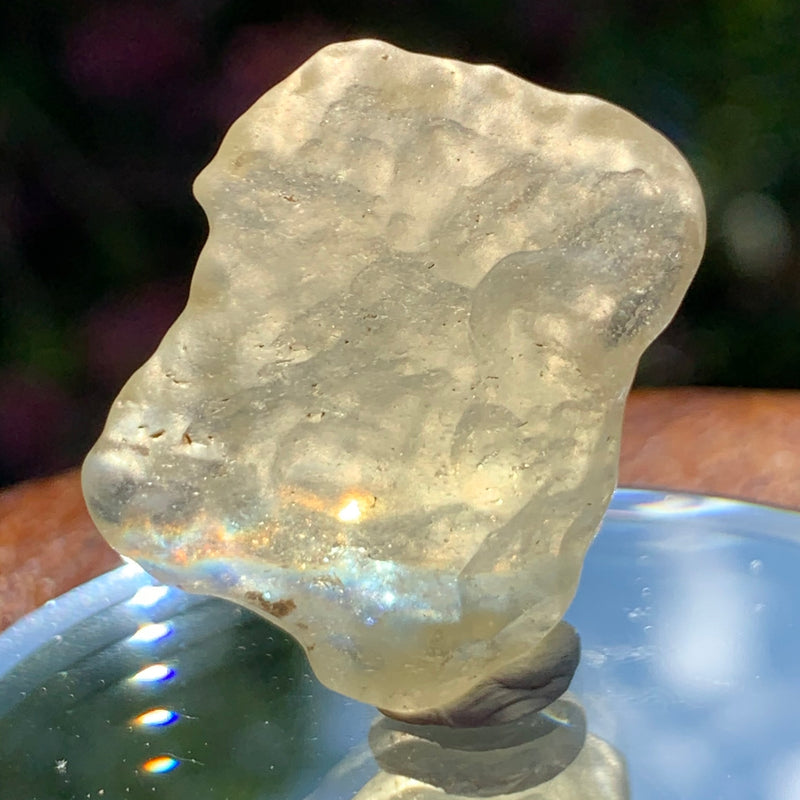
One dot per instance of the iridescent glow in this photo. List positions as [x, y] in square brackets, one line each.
[157, 717]
[365, 587]
[148, 596]
[155, 673]
[154, 632]
[160, 764]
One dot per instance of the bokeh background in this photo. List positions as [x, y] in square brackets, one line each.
[108, 108]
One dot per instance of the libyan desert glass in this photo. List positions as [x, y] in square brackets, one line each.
[687, 610]
[388, 418]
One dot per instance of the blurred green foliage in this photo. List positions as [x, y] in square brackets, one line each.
[108, 108]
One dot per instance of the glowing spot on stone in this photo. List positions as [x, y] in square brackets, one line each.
[157, 717]
[155, 673]
[154, 632]
[350, 512]
[160, 764]
[388, 598]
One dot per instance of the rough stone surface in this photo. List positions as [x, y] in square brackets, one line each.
[389, 417]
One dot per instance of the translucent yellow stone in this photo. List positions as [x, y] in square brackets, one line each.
[389, 417]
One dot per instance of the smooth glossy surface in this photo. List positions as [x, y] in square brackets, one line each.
[389, 417]
[688, 610]
[135, 690]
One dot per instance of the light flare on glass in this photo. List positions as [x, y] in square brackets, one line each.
[148, 596]
[155, 673]
[157, 718]
[151, 633]
[160, 765]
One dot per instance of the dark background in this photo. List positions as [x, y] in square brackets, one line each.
[108, 108]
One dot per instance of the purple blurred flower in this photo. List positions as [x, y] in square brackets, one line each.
[550, 27]
[34, 412]
[121, 48]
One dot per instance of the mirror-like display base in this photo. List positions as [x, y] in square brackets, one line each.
[687, 610]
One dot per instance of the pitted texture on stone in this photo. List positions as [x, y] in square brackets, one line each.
[389, 416]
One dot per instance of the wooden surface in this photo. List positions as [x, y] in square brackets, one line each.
[743, 444]
[730, 442]
[48, 544]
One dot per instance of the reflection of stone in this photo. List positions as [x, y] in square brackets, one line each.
[483, 761]
[597, 772]
[389, 416]
[544, 755]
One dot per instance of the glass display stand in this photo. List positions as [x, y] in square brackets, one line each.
[688, 612]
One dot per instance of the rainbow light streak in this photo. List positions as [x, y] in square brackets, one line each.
[157, 717]
[153, 632]
[678, 506]
[160, 764]
[148, 596]
[155, 673]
